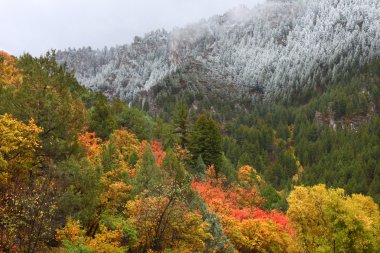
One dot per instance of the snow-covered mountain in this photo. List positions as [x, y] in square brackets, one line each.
[279, 47]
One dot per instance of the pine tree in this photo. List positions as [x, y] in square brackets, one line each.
[181, 123]
[102, 121]
[172, 166]
[149, 176]
[206, 140]
[200, 166]
[228, 169]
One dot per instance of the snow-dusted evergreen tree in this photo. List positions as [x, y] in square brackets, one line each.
[283, 47]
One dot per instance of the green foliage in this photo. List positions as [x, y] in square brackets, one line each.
[257, 133]
[130, 235]
[80, 187]
[50, 96]
[284, 169]
[149, 176]
[78, 247]
[220, 242]
[102, 120]
[136, 121]
[228, 169]
[181, 123]
[173, 166]
[130, 196]
[200, 166]
[206, 140]
[327, 220]
[272, 199]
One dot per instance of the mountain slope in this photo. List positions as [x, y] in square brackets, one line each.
[283, 48]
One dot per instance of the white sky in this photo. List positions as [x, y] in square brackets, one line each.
[36, 26]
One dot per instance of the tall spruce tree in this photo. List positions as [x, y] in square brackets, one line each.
[149, 176]
[101, 119]
[206, 141]
[181, 123]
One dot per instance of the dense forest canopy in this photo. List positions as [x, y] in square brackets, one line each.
[82, 173]
[283, 48]
[254, 131]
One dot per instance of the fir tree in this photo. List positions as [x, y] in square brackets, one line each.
[102, 121]
[149, 176]
[181, 123]
[200, 166]
[206, 140]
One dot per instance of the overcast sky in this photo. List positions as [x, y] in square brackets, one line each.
[36, 26]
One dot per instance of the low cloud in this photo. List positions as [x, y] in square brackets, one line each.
[36, 26]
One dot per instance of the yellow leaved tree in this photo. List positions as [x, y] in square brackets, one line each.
[74, 238]
[18, 145]
[328, 220]
[165, 223]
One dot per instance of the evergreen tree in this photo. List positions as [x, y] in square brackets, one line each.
[136, 121]
[200, 166]
[102, 120]
[206, 140]
[172, 166]
[181, 123]
[228, 169]
[149, 176]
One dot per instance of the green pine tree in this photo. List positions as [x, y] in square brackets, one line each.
[200, 166]
[102, 120]
[206, 140]
[149, 176]
[181, 123]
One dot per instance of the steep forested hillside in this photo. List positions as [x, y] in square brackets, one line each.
[254, 131]
[329, 138]
[81, 173]
[281, 48]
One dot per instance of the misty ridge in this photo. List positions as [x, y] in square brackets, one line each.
[253, 131]
[280, 47]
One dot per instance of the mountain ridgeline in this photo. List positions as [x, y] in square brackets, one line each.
[254, 131]
[277, 50]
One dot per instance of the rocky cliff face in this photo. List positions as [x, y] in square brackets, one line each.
[280, 48]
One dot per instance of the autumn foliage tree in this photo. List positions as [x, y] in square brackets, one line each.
[115, 176]
[10, 74]
[27, 203]
[19, 143]
[161, 211]
[92, 145]
[51, 97]
[74, 239]
[64, 189]
[164, 222]
[103, 229]
[328, 220]
[248, 227]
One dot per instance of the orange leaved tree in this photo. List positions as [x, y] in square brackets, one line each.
[9, 73]
[248, 227]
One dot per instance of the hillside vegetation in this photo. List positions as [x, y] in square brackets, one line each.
[81, 173]
[280, 48]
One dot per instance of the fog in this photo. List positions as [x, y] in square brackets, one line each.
[36, 26]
